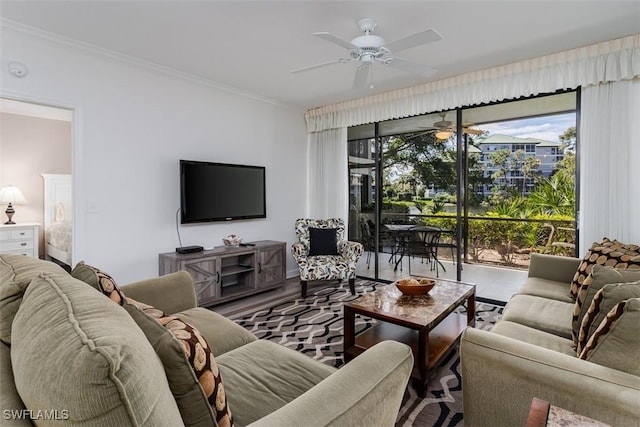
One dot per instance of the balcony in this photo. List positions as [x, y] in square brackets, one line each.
[497, 252]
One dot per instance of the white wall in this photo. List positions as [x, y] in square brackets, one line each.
[132, 123]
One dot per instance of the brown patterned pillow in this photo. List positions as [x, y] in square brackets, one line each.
[194, 376]
[98, 279]
[595, 281]
[191, 369]
[603, 301]
[625, 246]
[610, 253]
[616, 342]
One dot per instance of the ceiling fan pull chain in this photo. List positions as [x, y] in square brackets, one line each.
[371, 76]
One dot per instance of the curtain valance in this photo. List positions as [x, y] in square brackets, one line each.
[609, 61]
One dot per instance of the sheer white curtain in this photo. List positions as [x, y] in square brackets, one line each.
[328, 181]
[609, 163]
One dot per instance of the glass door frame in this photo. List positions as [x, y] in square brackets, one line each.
[462, 177]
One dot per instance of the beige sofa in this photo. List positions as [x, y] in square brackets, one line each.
[530, 353]
[70, 356]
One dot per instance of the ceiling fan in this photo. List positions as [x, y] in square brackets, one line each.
[445, 128]
[368, 49]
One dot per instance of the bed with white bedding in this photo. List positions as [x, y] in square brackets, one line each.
[58, 220]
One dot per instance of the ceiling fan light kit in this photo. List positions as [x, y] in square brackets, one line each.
[444, 134]
[368, 49]
[445, 128]
[368, 42]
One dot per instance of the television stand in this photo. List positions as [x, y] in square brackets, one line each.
[225, 273]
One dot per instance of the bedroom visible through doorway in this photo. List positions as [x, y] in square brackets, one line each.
[36, 156]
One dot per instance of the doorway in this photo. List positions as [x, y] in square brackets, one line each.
[36, 142]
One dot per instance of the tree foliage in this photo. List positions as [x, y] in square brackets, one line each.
[419, 160]
[423, 158]
[568, 136]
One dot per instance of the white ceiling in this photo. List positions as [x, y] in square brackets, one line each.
[253, 45]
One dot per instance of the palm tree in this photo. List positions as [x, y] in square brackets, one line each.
[555, 195]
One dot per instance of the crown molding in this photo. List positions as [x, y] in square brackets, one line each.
[130, 60]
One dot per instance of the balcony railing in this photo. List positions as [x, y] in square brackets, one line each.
[494, 240]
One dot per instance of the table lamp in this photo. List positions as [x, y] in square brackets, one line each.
[11, 194]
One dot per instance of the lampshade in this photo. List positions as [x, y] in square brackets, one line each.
[444, 134]
[11, 194]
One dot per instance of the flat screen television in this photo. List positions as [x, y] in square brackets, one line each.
[221, 192]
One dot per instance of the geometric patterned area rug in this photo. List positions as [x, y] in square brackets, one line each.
[314, 326]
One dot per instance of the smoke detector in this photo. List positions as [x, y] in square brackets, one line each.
[18, 69]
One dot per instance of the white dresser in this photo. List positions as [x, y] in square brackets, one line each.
[19, 239]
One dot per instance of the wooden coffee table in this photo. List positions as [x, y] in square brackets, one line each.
[426, 323]
[543, 414]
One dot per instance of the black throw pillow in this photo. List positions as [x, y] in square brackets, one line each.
[323, 241]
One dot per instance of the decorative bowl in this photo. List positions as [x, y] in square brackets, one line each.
[410, 286]
[232, 240]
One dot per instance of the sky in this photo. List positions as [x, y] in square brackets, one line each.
[548, 128]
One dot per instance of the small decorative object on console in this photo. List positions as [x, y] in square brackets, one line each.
[410, 286]
[232, 240]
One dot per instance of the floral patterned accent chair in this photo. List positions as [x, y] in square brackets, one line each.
[322, 253]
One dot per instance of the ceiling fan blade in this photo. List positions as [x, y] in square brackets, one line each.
[362, 74]
[335, 39]
[312, 67]
[416, 135]
[412, 67]
[413, 40]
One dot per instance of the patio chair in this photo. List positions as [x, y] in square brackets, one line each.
[322, 253]
[368, 239]
[447, 240]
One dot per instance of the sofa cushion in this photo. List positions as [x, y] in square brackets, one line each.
[534, 336]
[9, 398]
[545, 288]
[544, 314]
[603, 301]
[609, 253]
[263, 376]
[367, 391]
[73, 349]
[221, 333]
[16, 272]
[325, 267]
[599, 277]
[616, 341]
[170, 293]
[194, 377]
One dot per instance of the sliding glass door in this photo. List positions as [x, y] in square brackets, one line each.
[498, 182]
[363, 182]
